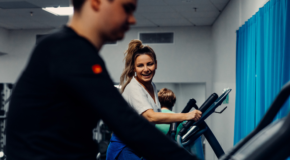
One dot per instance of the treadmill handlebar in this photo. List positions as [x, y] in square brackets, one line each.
[203, 108]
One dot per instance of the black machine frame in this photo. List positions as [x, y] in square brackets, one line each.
[186, 136]
[280, 144]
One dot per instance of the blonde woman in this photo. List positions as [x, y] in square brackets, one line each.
[140, 92]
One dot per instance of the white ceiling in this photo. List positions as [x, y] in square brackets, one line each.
[150, 13]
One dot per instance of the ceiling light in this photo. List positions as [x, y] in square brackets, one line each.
[60, 11]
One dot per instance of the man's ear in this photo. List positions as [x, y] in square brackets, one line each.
[95, 4]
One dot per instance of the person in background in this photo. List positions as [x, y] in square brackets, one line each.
[140, 92]
[167, 100]
[65, 89]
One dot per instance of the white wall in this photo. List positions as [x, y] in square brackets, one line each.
[188, 60]
[18, 44]
[224, 68]
[4, 48]
[3, 40]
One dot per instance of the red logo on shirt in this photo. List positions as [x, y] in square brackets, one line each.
[97, 68]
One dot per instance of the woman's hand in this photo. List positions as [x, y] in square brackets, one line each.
[194, 115]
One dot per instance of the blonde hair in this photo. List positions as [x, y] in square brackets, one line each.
[135, 49]
[166, 98]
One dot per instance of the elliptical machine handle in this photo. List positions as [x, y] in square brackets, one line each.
[189, 105]
[203, 108]
[173, 126]
[211, 99]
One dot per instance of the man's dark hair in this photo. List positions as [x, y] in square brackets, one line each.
[78, 4]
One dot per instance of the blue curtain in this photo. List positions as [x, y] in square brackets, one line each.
[246, 79]
[271, 62]
[286, 64]
[263, 65]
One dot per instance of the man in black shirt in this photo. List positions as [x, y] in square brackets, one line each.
[65, 90]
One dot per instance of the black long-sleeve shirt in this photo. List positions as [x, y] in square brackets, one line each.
[59, 99]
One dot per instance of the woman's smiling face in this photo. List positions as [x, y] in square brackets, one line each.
[145, 68]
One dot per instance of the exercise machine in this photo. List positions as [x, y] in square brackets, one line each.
[102, 134]
[268, 141]
[192, 130]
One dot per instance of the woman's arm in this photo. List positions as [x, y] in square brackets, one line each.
[161, 118]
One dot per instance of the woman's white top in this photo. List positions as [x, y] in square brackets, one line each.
[137, 96]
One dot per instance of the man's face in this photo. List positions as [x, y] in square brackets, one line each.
[117, 16]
